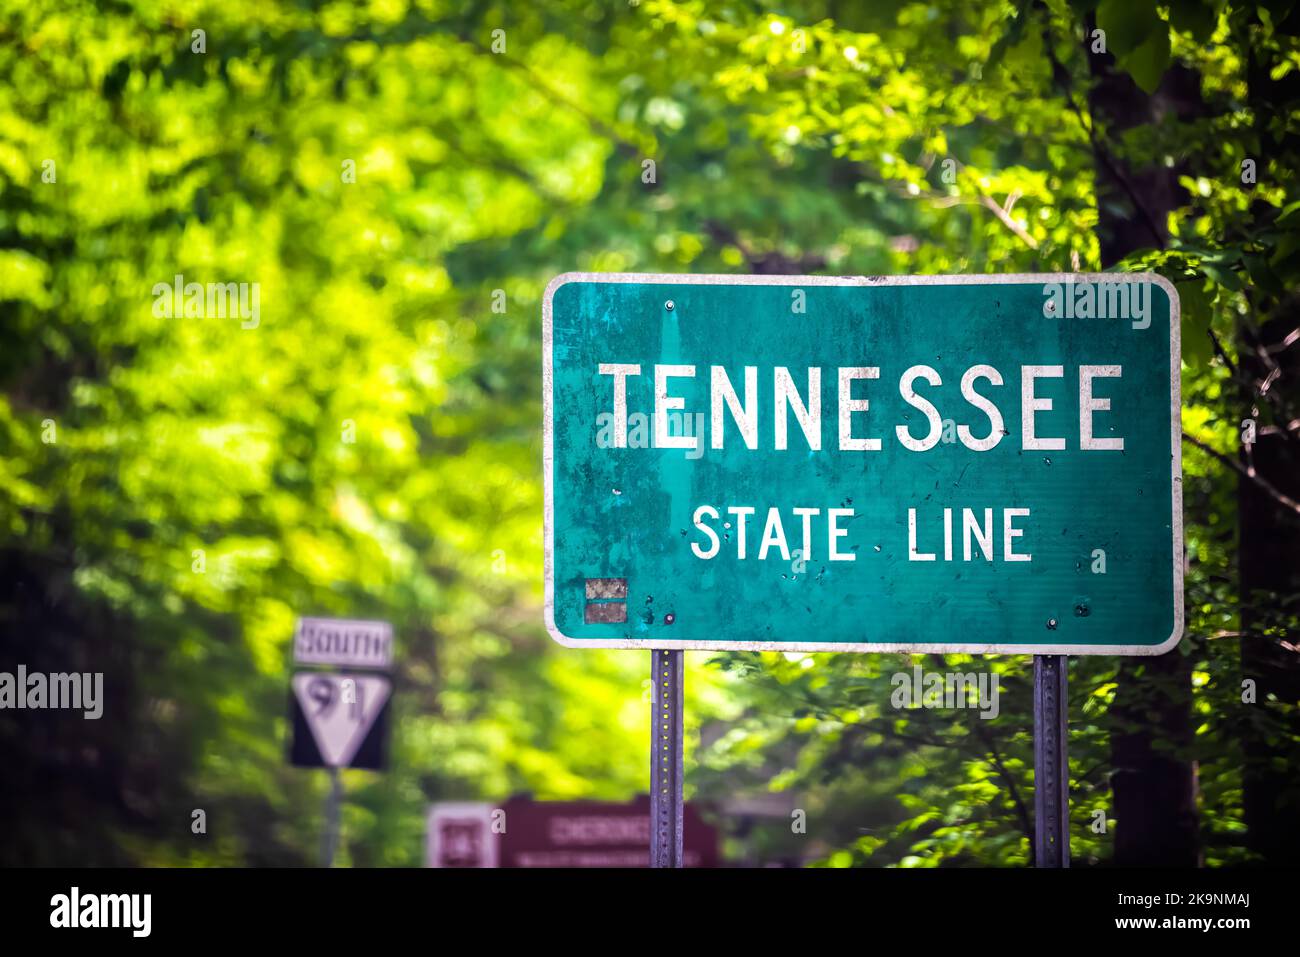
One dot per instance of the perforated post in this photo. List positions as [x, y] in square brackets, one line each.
[1051, 762]
[666, 759]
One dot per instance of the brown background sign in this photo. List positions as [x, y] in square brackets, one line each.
[559, 834]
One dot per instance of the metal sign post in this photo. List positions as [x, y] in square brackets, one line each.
[1051, 762]
[666, 676]
[333, 806]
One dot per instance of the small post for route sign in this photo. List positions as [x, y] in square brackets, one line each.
[1051, 762]
[333, 806]
[666, 676]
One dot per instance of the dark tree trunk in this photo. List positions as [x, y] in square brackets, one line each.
[1269, 562]
[1269, 548]
[1154, 777]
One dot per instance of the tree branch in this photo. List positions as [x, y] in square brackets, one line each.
[1248, 472]
[1022, 811]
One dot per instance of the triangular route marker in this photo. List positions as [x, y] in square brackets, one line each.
[340, 710]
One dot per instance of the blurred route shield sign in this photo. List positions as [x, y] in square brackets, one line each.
[985, 464]
[339, 720]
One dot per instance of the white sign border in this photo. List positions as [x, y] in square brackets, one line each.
[1175, 445]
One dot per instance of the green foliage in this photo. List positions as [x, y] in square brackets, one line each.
[372, 447]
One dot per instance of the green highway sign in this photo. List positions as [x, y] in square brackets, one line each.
[986, 464]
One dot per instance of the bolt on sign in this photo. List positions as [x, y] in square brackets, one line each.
[984, 464]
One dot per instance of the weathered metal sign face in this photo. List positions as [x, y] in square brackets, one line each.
[985, 464]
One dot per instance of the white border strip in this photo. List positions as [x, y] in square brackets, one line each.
[1175, 447]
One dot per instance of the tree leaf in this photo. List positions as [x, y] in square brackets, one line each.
[1147, 64]
[1196, 17]
[1195, 305]
[1128, 24]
